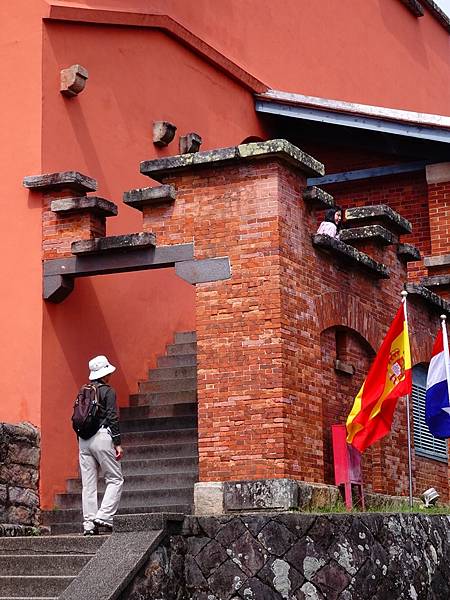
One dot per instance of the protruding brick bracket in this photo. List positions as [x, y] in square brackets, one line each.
[408, 253]
[379, 214]
[349, 255]
[432, 300]
[369, 233]
[142, 197]
[317, 198]
[59, 274]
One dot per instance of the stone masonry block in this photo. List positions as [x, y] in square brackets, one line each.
[381, 213]
[142, 197]
[208, 498]
[408, 252]
[73, 80]
[163, 132]
[49, 182]
[317, 197]
[130, 241]
[438, 173]
[190, 143]
[93, 204]
[262, 494]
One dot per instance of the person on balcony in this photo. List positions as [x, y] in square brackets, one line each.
[331, 224]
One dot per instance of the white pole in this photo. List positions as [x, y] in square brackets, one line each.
[408, 416]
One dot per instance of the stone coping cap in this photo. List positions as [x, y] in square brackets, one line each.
[145, 521]
[437, 281]
[163, 167]
[63, 179]
[141, 197]
[350, 255]
[381, 212]
[94, 204]
[126, 242]
[437, 261]
[317, 197]
[408, 252]
[374, 233]
[430, 298]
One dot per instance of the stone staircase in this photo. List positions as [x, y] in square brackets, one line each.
[42, 567]
[159, 437]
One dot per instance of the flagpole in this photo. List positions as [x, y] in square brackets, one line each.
[408, 415]
[446, 352]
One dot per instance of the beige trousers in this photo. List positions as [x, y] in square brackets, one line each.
[97, 455]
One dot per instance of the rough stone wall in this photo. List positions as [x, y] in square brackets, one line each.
[292, 556]
[19, 474]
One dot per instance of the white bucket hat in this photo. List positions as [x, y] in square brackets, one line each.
[99, 367]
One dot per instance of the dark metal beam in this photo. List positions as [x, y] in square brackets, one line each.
[411, 167]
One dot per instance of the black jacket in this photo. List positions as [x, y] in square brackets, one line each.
[107, 410]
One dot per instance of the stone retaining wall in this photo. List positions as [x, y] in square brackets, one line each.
[294, 556]
[19, 474]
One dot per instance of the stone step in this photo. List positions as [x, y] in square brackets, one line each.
[48, 564]
[169, 424]
[162, 398]
[149, 498]
[170, 410]
[183, 337]
[178, 464]
[155, 481]
[70, 519]
[182, 360]
[168, 385]
[50, 545]
[163, 373]
[164, 438]
[18, 586]
[182, 349]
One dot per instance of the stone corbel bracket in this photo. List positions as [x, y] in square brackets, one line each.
[122, 254]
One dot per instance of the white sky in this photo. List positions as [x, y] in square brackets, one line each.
[445, 5]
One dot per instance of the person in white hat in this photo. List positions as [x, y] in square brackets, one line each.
[101, 452]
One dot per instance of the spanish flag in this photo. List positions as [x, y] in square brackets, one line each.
[389, 378]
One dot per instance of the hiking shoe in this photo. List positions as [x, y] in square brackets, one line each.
[100, 523]
[93, 531]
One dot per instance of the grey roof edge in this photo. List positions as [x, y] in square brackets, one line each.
[277, 148]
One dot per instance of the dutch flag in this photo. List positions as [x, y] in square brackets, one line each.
[437, 404]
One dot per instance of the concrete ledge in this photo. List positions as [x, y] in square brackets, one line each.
[369, 233]
[208, 498]
[408, 253]
[437, 281]
[163, 167]
[263, 494]
[93, 204]
[64, 179]
[145, 521]
[350, 255]
[317, 197]
[439, 173]
[141, 197]
[127, 242]
[378, 214]
[343, 367]
[437, 261]
[432, 300]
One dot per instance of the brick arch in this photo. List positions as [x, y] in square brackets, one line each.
[339, 309]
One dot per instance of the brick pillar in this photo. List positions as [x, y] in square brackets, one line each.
[68, 214]
[258, 389]
[438, 179]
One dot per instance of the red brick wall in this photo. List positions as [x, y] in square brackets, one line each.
[264, 371]
[431, 473]
[439, 203]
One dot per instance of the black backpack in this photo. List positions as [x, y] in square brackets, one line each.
[85, 418]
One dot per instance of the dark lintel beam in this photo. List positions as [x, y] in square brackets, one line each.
[105, 264]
